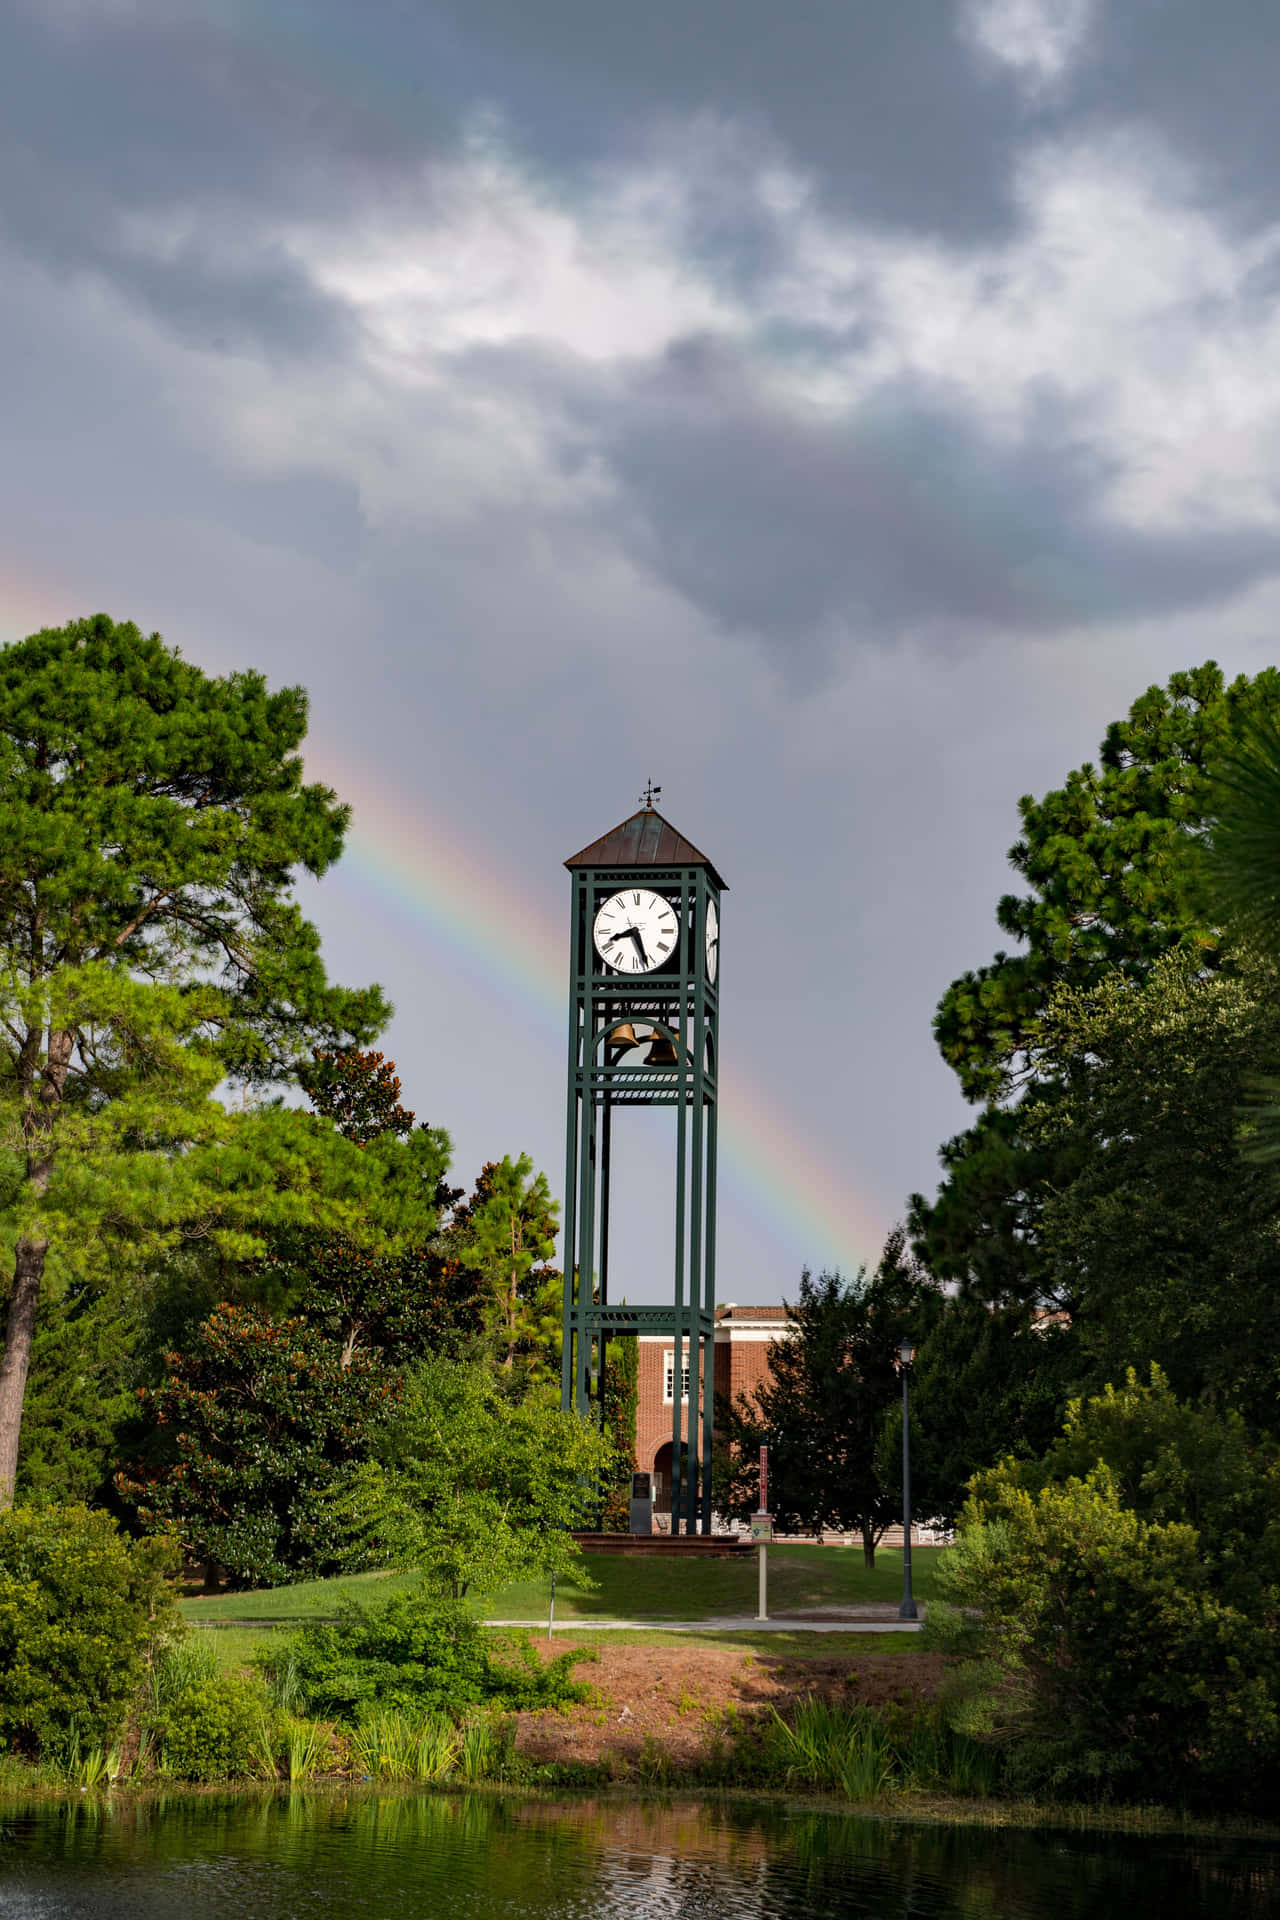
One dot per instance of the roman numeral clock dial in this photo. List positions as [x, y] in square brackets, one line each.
[635, 931]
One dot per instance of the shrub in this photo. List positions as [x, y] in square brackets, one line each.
[410, 1653]
[211, 1730]
[82, 1613]
[1114, 1644]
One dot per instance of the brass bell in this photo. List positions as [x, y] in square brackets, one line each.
[662, 1053]
[623, 1036]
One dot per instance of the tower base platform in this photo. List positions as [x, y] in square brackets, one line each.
[706, 1546]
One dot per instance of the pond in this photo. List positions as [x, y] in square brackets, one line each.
[328, 1857]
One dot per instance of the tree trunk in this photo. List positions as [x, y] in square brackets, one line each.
[869, 1547]
[28, 1272]
[28, 1266]
[510, 1359]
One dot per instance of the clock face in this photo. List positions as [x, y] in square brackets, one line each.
[713, 941]
[635, 930]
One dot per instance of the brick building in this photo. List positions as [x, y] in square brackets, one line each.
[742, 1339]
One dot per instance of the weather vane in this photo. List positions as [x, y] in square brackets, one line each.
[650, 794]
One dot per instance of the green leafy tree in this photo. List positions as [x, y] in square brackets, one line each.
[151, 819]
[1166, 1237]
[252, 1416]
[1242, 867]
[986, 1383]
[251, 1428]
[1114, 881]
[619, 1403]
[360, 1093]
[1120, 1603]
[470, 1486]
[1244, 852]
[821, 1412]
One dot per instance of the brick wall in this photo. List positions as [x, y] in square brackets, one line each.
[742, 1339]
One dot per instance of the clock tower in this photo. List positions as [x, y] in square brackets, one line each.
[644, 971]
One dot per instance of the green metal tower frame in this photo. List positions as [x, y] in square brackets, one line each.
[678, 1001]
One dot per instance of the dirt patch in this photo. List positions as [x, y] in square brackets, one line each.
[675, 1696]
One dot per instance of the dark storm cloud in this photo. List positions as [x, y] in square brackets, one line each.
[875, 100]
[172, 119]
[274, 110]
[92, 434]
[165, 150]
[903, 514]
[878, 101]
[891, 108]
[1205, 77]
[268, 111]
[900, 118]
[206, 294]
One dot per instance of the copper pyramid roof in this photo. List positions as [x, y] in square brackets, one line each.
[645, 840]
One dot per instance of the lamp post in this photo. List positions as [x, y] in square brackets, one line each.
[908, 1610]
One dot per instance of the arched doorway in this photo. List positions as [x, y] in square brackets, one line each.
[662, 1478]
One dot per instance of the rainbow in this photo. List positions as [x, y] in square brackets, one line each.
[437, 883]
[25, 605]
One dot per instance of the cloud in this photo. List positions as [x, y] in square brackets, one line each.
[1041, 40]
[692, 361]
[902, 516]
[828, 434]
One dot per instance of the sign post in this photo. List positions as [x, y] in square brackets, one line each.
[641, 1515]
[762, 1534]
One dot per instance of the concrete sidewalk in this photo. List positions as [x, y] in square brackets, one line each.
[725, 1623]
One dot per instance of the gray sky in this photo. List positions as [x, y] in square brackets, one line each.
[837, 412]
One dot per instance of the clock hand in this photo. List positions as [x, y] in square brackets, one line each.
[635, 935]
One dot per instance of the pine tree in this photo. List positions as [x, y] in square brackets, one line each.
[505, 1233]
[151, 820]
[1116, 878]
[1112, 877]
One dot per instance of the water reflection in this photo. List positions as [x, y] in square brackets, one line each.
[333, 1857]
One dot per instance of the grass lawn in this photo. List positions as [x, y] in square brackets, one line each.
[642, 1589]
[307, 1600]
[234, 1645]
[800, 1577]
